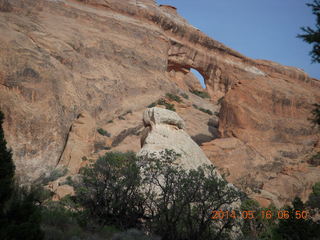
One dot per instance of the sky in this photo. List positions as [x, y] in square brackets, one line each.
[259, 29]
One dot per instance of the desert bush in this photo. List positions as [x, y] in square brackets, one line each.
[174, 97]
[315, 160]
[100, 145]
[152, 105]
[103, 132]
[200, 93]
[154, 194]
[207, 111]
[163, 102]
[314, 197]
[110, 192]
[298, 228]
[184, 95]
[258, 227]
[168, 106]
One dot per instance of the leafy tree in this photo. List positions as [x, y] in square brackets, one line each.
[314, 198]
[6, 170]
[109, 190]
[180, 202]
[23, 216]
[297, 228]
[153, 194]
[315, 119]
[312, 36]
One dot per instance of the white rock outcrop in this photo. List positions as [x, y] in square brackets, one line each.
[165, 131]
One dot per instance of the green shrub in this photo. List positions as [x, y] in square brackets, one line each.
[315, 119]
[170, 107]
[174, 97]
[314, 197]
[110, 192]
[124, 191]
[315, 160]
[258, 227]
[202, 109]
[110, 121]
[98, 146]
[163, 102]
[206, 111]
[152, 105]
[103, 132]
[184, 95]
[200, 93]
[299, 228]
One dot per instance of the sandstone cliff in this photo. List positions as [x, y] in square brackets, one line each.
[68, 68]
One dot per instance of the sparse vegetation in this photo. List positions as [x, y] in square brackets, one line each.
[220, 100]
[200, 93]
[168, 106]
[152, 105]
[103, 132]
[110, 121]
[174, 97]
[100, 145]
[184, 95]
[315, 119]
[163, 102]
[207, 111]
[314, 198]
[315, 160]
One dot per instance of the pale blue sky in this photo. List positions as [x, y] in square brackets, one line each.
[260, 29]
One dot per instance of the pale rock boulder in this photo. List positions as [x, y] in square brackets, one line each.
[166, 131]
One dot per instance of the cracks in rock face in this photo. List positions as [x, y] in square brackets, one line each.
[67, 139]
[64, 145]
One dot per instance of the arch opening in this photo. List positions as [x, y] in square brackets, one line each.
[199, 77]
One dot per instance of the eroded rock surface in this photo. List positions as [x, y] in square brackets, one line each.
[166, 131]
[110, 59]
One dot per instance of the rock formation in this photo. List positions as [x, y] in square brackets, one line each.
[106, 60]
[165, 130]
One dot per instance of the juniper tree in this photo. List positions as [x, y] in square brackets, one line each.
[312, 36]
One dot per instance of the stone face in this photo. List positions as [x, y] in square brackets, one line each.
[109, 60]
